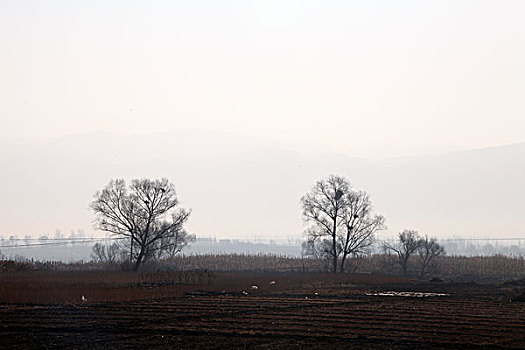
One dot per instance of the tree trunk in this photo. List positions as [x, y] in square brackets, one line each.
[334, 244]
[342, 269]
[405, 262]
[424, 265]
[139, 260]
[422, 272]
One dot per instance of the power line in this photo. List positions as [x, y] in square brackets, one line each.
[38, 244]
[59, 243]
[70, 241]
[480, 239]
[61, 239]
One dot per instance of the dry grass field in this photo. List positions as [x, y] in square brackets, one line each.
[200, 309]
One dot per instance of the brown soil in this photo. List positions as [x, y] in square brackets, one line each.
[297, 311]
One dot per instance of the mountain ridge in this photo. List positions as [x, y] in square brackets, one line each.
[255, 190]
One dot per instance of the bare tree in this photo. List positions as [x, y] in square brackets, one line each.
[168, 247]
[407, 244]
[310, 249]
[145, 213]
[429, 249]
[359, 223]
[319, 248]
[321, 208]
[105, 253]
[342, 223]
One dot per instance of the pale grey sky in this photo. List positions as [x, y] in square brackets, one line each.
[346, 74]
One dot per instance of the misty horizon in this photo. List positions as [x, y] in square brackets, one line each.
[71, 172]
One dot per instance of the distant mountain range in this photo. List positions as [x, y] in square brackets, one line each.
[243, 187]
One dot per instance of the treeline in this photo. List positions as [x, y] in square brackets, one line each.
[496, 267]
[454, 267]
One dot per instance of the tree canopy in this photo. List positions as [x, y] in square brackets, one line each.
[341, 221]
[147, 213]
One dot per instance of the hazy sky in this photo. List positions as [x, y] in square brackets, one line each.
[342, 76]
[348, 74]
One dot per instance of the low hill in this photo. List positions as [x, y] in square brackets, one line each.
[241, 187]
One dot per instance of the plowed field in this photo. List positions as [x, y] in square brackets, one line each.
[304, 311]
